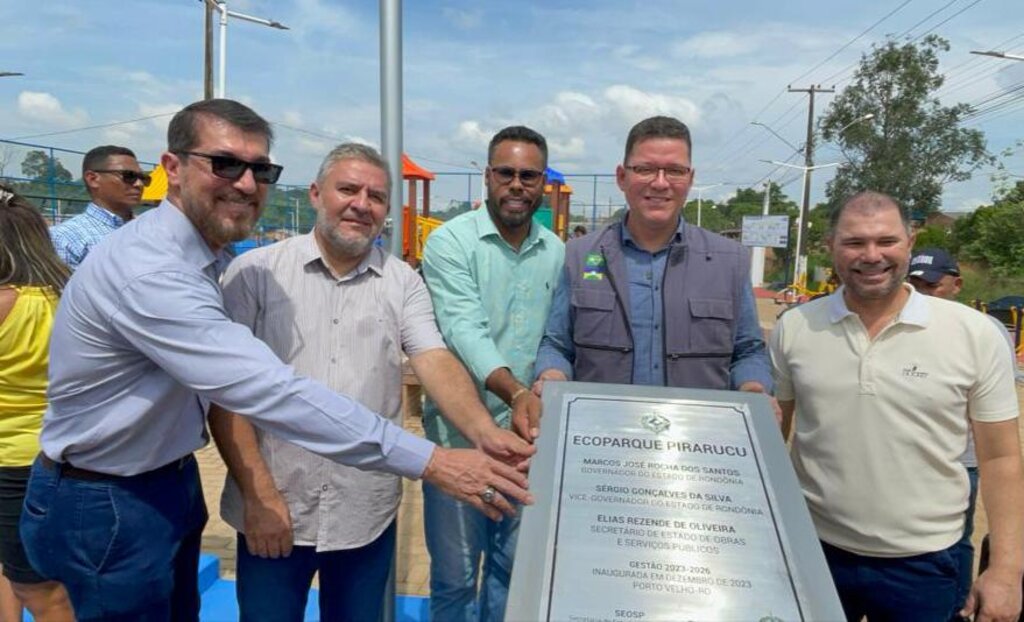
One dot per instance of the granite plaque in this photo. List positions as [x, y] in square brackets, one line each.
[665, 504]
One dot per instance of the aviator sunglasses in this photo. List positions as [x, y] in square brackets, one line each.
[228, 167]
[128, 177]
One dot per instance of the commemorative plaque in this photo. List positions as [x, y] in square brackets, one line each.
[665, 504]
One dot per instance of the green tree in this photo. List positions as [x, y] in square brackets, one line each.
[933, 236]
[39, 166]
[991, 234]
[913, 145]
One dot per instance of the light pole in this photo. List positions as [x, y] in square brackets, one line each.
[222, 7]
[483, 183]
[998, 54]
[700, 195]
[777, 135]
[800, 265]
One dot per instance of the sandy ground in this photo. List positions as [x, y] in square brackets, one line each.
[412, 571]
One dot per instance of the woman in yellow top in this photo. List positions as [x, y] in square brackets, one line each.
[31, 280]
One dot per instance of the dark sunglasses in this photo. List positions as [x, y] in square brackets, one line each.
[128, 177]
[527, 176]
[228, 167]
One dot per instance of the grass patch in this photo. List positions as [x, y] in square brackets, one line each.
[980, 283]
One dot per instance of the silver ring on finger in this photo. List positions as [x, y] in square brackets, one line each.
[488, 494]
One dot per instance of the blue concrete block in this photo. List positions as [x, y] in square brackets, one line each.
[412, 609]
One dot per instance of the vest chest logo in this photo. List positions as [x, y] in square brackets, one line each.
[655, 423]
[593, 267]
[912, 371]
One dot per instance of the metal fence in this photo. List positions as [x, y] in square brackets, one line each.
[51, 178]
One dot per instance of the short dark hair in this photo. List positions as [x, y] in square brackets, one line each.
[872, 200]
[97, 156]
[182, 134]
[657, 127]
[519, 134]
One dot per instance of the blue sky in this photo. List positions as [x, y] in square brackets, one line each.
[581, 72]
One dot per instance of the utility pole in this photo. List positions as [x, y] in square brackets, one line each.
[801, 256]
[208, 54]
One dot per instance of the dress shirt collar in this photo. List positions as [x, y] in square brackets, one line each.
[915, 311]
[194, 248]
[627, 237]
[309, 251]
[486, 228]
[104, 215]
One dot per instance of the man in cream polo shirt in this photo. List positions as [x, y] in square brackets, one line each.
[886, 382]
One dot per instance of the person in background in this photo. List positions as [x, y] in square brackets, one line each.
[31, 280]
[114, 181]
[934, 272]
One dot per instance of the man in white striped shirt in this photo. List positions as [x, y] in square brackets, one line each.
[341, 311]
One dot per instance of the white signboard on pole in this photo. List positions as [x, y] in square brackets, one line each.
[765, 231]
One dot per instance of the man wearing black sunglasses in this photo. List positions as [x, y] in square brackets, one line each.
[490, 273]
[114, 181]
[142, 345]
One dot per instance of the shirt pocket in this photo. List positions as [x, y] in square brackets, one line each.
[595, 319]
[711, 326]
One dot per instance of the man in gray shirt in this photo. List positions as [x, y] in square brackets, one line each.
[335, 307]
[142, 343]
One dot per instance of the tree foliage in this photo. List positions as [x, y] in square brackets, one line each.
[41, 167]
[992, 236]
[913, 145]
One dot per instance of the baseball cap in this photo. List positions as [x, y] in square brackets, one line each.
[930, 264]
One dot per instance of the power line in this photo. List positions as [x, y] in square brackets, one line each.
[94, 127]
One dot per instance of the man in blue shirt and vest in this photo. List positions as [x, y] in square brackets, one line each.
[142, 344]
[651, 299]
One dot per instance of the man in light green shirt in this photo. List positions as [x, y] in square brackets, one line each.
[491, 274]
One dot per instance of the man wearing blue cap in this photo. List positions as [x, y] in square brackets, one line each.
[934, 272]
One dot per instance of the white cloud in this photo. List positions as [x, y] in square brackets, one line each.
[45, 108]
[634, 105]
[293, 118]
[569, 109]
[718, 44]
[470, 135]
[463, 18]
[573, 148]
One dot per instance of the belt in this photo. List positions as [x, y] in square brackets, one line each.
[67, 470]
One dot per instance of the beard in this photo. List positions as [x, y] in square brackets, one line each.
[219, 230]
[347, 245]
[512, 219]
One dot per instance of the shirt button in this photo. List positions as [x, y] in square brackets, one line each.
[324, 488]
[657, 288]
[334, 360]
[657, 326]
[335, 320]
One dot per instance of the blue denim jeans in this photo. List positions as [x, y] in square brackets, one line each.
[126, 548]
[457, 537]
[894, 589]
[963, 550]
[352, 582]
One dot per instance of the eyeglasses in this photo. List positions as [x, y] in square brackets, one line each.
[229, 167]
[128, 177]
[673, 174]
[527, 176]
